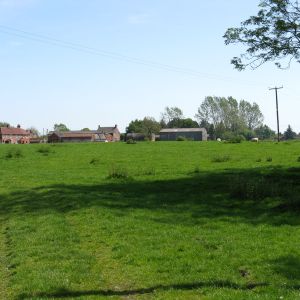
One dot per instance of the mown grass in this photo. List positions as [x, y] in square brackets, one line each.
[153, 221]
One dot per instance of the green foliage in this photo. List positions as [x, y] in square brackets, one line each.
[182, 123]
[264, 132]
[60, 127]
[45, 150]
[13, 153]
[229, 115]
[298, 159]
[289, 134]
[85, 129]
[271, 35]
[130, 142]
[171, 114]
[236, 139]
[4, 124]
[147, 126]
[34, 131]
[269, 159]
[181, 138]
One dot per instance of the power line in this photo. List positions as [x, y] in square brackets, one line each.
[113, 55]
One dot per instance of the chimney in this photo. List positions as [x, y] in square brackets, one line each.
[18, 126]
[116, 125]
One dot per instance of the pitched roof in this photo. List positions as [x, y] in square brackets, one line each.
[79, 133]
[13, 131]
[167, 130]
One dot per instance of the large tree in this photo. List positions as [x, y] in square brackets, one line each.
[146, 126]
[182, 123]
[4, 124]
[171, 113]
[34, 131]
[289, 134]
[60, 127]
[227, 114]
[272, 35]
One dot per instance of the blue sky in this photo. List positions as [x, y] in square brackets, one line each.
[42, 83]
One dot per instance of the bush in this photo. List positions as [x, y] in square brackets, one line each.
[131, 142]
[11, 154]
[236, 139]
[220, 159]
[116, 172]
[181, 138]
[45, 150]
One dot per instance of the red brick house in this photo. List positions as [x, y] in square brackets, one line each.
[11, 135]
[102, 134]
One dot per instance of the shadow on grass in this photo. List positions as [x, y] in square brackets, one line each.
[63, 293]
[264, 195]
[288, 266]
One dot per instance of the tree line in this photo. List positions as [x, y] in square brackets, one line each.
[222, 117]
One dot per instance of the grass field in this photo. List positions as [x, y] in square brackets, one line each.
[181, 220]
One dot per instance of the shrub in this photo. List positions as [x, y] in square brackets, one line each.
[13, 153]
[219, 159]
[181, 138]
[236, 139]
[116, 172]
[131, 141]
[45, 150]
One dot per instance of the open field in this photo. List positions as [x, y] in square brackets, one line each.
[181, 220]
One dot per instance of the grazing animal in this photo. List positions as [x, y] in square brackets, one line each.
[254, 140]
[219, 140]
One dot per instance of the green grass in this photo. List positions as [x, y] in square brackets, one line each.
[150, 221]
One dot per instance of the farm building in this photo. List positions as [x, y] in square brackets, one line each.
[12, 135]
[139, 137]
[194, 134]
[102, 134]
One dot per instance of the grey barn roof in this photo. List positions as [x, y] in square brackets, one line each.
[166, 130]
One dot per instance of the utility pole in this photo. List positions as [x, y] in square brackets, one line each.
[276, 93]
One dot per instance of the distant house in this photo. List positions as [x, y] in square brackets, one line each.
[102, 134]
[12, 135]
[172, 134]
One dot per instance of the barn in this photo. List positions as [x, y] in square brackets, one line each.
[102, 134]
[194, 134]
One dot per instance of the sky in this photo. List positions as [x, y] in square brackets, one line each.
[86, 63]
